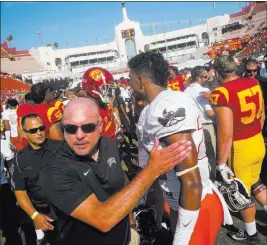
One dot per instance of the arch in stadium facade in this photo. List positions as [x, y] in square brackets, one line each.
[130, 48]
[146, 48]
[205, 38]
[58, 62]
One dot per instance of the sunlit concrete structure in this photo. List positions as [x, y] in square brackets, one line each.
[129, 40]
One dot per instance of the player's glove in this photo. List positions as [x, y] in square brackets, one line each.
[225, 172]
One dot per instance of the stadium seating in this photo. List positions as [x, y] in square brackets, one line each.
[9, 83]
[259, 7]
[21, 64]
[256, 45]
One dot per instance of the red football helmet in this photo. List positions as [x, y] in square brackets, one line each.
[99, 83]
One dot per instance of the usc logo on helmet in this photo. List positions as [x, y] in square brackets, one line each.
[96, 75]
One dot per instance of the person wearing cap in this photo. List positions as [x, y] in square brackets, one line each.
[125, 92]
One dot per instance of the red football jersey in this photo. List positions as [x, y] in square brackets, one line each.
[176, 84]
[58, 104]
[109, 127]
[49, 114]
[244, 97]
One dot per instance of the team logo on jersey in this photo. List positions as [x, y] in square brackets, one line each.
[105, 119]
[111, 161]
[171, 118]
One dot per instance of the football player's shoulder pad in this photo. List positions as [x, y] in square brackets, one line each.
[220, 96]
[172, 113]
[54, 114]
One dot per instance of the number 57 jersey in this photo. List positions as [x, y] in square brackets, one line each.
[244, 97]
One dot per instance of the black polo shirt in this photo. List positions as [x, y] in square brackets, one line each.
[263, 83]
[118, 101]
[68, 180]
[27, 166]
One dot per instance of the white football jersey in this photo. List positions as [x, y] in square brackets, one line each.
[125, 94]
[169, 113]
[11, 116]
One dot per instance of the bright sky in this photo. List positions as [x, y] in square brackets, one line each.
[74, 24]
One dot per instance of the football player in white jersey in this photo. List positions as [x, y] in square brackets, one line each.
[172, 116]
[10, 118]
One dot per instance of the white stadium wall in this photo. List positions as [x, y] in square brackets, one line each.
[113, 55]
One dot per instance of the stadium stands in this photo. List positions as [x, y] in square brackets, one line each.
[9, 83]
[253, 17]
[259, 7]
[17, 61]
[20, 65]
[258, 44]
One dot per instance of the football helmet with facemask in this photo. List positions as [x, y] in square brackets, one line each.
[99, 83]
[235, 195]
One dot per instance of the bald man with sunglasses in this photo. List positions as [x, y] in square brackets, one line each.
[84, 179]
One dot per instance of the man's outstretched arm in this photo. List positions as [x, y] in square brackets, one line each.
[105, 215]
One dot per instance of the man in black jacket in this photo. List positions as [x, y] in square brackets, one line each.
[28, 191]
[251, 69]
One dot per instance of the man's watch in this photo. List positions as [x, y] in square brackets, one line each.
[133, 226]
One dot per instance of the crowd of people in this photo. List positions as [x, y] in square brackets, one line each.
[258, 43]
[200, 134]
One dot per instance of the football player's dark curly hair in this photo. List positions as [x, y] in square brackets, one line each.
[13, 103]
[28, 97]
[38, 92]
[175, 70]
[153, 65]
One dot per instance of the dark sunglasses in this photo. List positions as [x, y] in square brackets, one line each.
[35, 130]
[250, 71]
[205, 77]
[86, 128]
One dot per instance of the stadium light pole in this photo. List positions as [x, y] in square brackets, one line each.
[106, 51]
[162, 28]
[208, 32]
[39, 34]
[155, 37]
[121, 65]
[214, 8]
